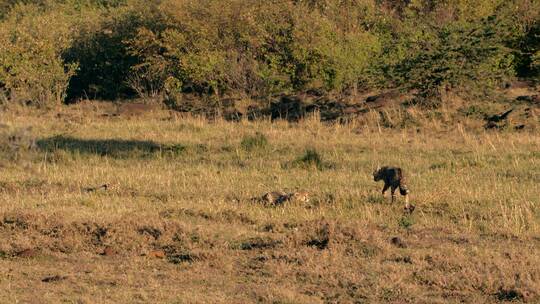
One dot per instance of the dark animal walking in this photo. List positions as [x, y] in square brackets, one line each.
[394, 179]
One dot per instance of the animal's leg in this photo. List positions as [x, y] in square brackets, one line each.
[393, 190]
[384, 189]
[407, 205]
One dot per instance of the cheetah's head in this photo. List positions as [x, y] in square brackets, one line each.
[301, 196]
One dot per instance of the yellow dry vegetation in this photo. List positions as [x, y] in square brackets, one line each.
[176, 223]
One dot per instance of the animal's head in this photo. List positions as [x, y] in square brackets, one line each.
[301, 196]
[377, 176]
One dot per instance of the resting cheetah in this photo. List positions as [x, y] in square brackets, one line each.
[280, 197]
[274, 197]
[300, 196]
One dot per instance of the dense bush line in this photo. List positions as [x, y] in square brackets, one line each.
[54, 51]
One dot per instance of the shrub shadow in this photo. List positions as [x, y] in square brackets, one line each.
[117, 148]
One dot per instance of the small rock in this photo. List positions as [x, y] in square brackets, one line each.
[519, 84]
[54, 278]
[511, 294]
[27, 253]
[109, 251]
[396, 241]
[404, 259]
[529, 98]
[525, 98]
[158, 254]
[351, 110]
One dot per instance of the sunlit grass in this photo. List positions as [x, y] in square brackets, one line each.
[198, 178]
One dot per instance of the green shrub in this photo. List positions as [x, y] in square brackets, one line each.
[405, 222]
[256, 48]
[529, 52]
[101, 50]
[376, 199]
[455, 56]
[535, 63]
[256, 141]
[31, 43]
[50, 49]
[311, 158]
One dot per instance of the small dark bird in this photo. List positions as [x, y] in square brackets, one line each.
[499, 117]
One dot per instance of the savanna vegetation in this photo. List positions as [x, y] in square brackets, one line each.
[58, 51]
[137, 138]
[176, 222]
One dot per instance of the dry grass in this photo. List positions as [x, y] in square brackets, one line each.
[180, 226]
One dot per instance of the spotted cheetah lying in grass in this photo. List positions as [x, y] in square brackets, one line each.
[279, 197]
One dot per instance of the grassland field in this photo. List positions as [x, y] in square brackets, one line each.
[176, 223]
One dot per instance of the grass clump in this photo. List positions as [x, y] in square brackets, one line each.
[176, 149]
[406, 222]
[16, 140]
[257, 243]
[254, 142]
[312, 159]
[375, 199]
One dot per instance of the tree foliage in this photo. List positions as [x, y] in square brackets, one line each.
[31, 44]
[59, 50]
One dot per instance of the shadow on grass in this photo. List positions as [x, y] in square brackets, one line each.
[117, 148]
[377, 199]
